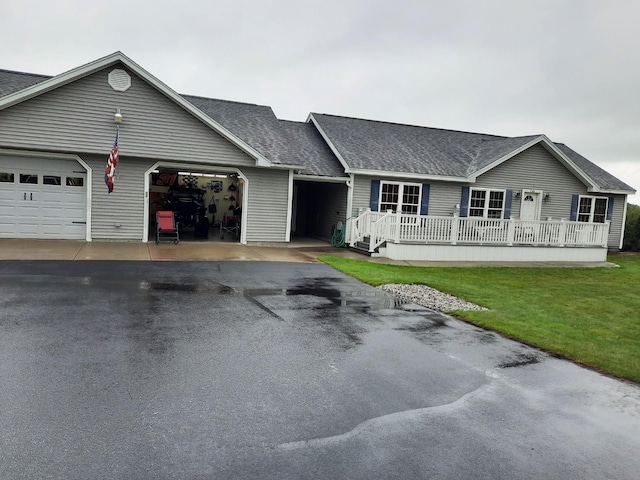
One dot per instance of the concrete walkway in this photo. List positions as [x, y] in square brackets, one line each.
[306, 252]
[300, 251]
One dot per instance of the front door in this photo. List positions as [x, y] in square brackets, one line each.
[530, 205]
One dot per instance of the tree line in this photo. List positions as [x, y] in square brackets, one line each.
[632, 229]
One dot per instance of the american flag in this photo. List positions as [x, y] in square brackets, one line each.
[111, 165]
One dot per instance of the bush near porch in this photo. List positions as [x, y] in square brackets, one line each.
[589, 315]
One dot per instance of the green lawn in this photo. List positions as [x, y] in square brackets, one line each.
[590, 315]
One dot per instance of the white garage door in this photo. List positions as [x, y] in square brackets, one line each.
[42, 198]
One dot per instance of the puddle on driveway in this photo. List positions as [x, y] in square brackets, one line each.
[318, 288]
[423, 325]
[521, 360]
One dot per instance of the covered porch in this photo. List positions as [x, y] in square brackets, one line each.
[400, 236]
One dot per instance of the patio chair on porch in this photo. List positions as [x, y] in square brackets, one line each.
[166, 227]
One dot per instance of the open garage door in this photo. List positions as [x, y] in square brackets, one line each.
[42, 198]
[207, 203]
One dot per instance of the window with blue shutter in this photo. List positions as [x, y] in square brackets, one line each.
[508, 198]
[375, 195]
[424, 201]
[610, 209]
[574, 208]
[409, 198]
[591, 209]
[464, 202]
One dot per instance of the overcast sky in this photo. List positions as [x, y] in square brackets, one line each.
[567, 68]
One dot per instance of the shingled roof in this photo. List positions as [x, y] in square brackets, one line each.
[392, 147]
[371, 145]
[602, 178]
[282, 142]
[11, 82]
[361, 144]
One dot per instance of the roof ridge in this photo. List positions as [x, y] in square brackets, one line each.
[497, 137]
[512, 138]
[222, 100]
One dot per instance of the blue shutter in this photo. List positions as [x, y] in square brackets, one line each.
[464, 202]
[375, 195]
[610, 208]
[507, 204]
[574, 208]
[424, 201]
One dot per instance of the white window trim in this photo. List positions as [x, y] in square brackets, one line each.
[400, 193]
[593, 207]
[486, 203]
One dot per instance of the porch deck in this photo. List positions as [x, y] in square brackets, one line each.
[417, 237]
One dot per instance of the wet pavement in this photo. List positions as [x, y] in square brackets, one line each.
[186, 370]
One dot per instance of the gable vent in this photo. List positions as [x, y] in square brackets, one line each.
[119, 80]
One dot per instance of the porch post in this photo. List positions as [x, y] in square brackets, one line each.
[511, 232]
[605, 233]
[562, 232]
[398, 219]
[348, 230]
[455, 226]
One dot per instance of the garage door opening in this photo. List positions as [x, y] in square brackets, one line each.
[207, 205]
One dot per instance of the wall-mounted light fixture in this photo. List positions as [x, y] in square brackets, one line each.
[517, 194]
[117, 118]
[546, 197]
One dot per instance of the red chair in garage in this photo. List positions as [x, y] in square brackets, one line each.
[166, 227]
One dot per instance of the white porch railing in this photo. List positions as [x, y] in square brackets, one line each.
[396, 227]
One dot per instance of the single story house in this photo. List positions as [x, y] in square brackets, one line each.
[400, 191]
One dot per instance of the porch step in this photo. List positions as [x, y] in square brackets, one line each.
[363, 248]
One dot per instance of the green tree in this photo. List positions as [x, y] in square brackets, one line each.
[632, 229]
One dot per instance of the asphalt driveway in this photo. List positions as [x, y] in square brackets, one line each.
[185, 370]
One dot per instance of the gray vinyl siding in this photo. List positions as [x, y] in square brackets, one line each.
[361, 193]
[442, 196]
[267, 205]
[616, 231]
[534, 169]
[537, 169]
[78, 117]
[124, 206]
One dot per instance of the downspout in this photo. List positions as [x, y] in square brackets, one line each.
[289, 207]
[349, 183]
[624, 222]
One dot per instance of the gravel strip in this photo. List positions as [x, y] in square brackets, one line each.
[428, 297]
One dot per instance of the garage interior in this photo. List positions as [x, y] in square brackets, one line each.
[318, 209]
[207, 205]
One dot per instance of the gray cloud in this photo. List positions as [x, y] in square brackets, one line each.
[566, 68]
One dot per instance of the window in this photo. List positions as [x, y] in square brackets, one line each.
[400, 196]
[75, 181]
[27, 178]
[50, 180]
[486, 203]
[6, 177]
[592, 209]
